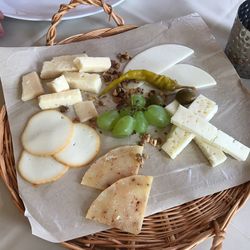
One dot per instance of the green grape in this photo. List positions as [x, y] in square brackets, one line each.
[107, 120]
[124, 126]
[125, 111]
[157, 116]
[141, 124]
[138, 100]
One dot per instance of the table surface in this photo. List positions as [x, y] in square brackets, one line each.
[15, 233]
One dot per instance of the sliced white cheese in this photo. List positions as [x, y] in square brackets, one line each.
[31, 86]
[92, 64]
[178, 138]
[231, 146]
[189, 121]
[176, 141]
[159, 58]
[58, 65]
[85, 110]
[55, 100]
[84, 81]
[59, 84]
[189, 75]
[214, 155]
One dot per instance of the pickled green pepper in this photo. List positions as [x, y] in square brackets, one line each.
[159, 81]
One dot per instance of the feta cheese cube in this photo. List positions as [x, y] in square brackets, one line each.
[31, 86]
[85, 110]
[59, 84]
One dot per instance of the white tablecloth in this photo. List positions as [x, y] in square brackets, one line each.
[219, 15]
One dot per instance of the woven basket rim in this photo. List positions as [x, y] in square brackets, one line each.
[180, 227]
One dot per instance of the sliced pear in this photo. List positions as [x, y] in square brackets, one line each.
[159, 58]
[40, 169]
[123, 204]
[46, 133]
[116, 164]
[82, 148]
[189, 75]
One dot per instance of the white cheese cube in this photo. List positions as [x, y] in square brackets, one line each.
[193, 123]
[55, 100]
[31, 86]
[84, 81]
[214, 155]
[92, 64]
[231, 146]
[85, 110]
[59, 84]
[58, 65]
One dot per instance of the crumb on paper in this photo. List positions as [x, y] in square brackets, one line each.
[123, 57]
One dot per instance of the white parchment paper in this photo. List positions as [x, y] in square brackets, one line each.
[56, 211]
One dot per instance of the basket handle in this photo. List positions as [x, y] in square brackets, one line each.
[64, 8]
[218, 237]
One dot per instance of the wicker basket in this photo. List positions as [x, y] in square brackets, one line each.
[181, 227]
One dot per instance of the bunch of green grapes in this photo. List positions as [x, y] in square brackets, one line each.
[134, 118]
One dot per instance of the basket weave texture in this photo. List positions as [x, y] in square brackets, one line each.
[181, 227]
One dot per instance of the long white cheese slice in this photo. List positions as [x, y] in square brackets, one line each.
[84, 81]
[55, 100]
[187, 120]
[58, 65]
[190, 122]
[92, 64]
[214, 155]
[231, 146]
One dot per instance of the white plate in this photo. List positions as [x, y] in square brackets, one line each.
[42, 10]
